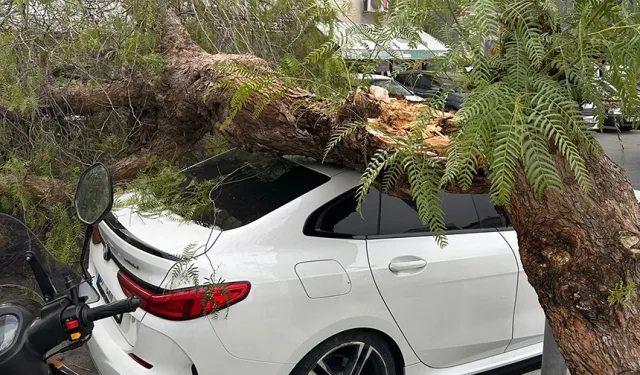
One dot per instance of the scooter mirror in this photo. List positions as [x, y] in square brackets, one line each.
[94, 194]
[87, 291]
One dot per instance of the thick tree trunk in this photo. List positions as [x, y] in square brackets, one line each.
[575, 248]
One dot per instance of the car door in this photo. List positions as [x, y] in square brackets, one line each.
[453, 304]
[528, 316]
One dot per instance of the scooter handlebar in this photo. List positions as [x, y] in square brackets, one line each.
[130, 304]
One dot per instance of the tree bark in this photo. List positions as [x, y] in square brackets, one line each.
[82, 100]
[575, 247]
[50, 190]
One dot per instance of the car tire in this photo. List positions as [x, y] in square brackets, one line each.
[343, 351]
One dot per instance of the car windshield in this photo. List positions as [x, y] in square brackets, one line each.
[249, 186]
[393, 87]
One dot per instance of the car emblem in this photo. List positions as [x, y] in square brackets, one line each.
[106, 252]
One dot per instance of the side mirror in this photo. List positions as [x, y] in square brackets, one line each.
[94, 194]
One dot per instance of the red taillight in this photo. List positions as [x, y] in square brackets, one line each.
[140, 361]
[185, 304]
[96, 237]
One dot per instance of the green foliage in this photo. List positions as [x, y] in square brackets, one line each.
[314, 56]
[508, 148]
[338, 135]
[214, 286]
[214, 144]
[424, 175]
[166, 189]
[55, 225]
[624, 294]
[65, 234]
[184, 270]
[525, 93]
[245, 82]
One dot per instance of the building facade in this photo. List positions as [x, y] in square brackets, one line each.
[360, 11]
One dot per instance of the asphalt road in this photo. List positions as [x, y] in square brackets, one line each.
[623, 148]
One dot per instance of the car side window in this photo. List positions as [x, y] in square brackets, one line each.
[340, 218]
[490, 215]
[424, 82]
[403, 78]
[400, 216]
[409, 80]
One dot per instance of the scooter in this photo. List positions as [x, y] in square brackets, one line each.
[28, 338]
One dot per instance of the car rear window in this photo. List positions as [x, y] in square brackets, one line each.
[249, 186]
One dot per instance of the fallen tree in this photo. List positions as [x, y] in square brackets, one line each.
[574, 210]
[194, 97]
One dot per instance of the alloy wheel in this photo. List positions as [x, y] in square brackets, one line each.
[351, 358]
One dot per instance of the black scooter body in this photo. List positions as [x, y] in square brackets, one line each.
[18, 358]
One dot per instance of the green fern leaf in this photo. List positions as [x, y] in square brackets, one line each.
[338, 135]
[370, 174]
[507, 154]
[539, 165]
[393, 172]
[424, 180]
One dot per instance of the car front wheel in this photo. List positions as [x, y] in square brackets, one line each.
[348, 353]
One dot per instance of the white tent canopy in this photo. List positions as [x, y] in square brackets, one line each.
[355, 44]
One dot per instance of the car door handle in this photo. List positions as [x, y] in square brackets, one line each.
[405, 266]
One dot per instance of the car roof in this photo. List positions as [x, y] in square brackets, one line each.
[373, 76]
[324, 168]
[415, 71]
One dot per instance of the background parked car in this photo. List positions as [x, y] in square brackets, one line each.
[614, 120]
[392, 86]
[429, 85]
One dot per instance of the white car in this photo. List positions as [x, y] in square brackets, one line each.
[393, 87]
[314, 287]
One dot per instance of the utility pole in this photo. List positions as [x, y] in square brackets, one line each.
[552, 360]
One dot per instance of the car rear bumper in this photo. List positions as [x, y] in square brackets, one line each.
[112, 358]
[108, 358]
[172, 347]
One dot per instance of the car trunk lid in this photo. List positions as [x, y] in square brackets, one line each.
[146, 249]
[165, 235]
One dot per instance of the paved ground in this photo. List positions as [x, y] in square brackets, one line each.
[624, 149]
[78, 361]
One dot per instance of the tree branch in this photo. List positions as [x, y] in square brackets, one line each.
[80, 99]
